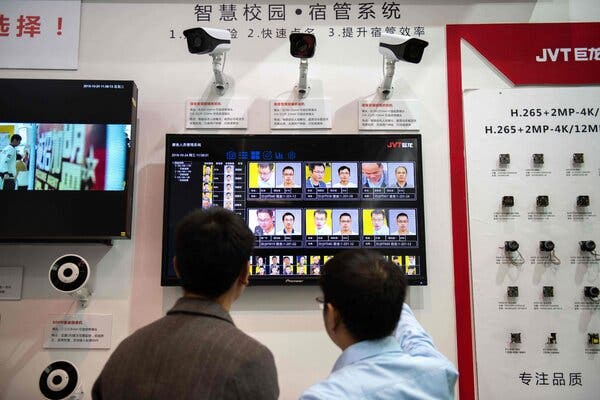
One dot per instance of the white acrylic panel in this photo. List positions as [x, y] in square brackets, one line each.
[556, 122]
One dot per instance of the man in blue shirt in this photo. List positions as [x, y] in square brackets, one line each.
[363, 296]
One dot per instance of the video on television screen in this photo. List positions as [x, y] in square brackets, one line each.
[305, 197]
[67, 154]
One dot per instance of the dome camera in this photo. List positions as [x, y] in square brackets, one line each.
[60, 380]
[70, 274]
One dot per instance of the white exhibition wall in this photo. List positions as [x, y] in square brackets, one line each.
[130, 40]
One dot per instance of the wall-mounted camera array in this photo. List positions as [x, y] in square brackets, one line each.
[217, 42]
[534, 229]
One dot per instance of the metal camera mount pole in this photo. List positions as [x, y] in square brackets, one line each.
[218, 65]
[303, 88]
[389, 67]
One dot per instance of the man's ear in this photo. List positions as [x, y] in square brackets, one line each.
[245, 275]
[176, 268]
[332, 316]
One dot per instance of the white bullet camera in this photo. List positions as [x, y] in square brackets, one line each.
[70, 274]
[60, 380]
[396, 48]
[214, 42]
[302, 46]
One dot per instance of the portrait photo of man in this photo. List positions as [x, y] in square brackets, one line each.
[274, 267]
[287, 177]
[288, 222]
[266, 175]
[403, 176]
[405, 221]
[262, 221]
[318, 222]
[346, 175]
[347, 225]
[316, 175]
[374, 175]
[377, 221]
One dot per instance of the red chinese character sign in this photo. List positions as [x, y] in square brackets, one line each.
[39, 34]
[539, 323]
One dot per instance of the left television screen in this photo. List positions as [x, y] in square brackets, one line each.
[66, 159]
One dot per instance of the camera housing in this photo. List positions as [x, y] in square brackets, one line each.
[303, 45]
[208, 40]
[60, 380]
[402, 48]
[70, 274]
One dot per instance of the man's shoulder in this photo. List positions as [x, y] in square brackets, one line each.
[389, 375]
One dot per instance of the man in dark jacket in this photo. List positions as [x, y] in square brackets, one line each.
[195, 351]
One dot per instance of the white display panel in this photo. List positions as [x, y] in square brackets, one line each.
[555, 122]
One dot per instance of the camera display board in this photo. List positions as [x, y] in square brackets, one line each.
[533, 171]
[305, 197]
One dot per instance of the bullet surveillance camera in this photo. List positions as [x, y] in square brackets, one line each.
[208, 40]
[214, 42]
[397, 48]
[302, 45]
[402, 48]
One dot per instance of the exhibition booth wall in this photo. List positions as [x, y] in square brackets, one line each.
[142, 41]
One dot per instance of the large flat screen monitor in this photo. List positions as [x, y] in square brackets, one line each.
[305, 197]
[66, 159]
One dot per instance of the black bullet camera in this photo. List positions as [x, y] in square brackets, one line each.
[302, 45]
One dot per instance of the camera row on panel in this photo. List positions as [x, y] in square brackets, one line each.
[217, 42]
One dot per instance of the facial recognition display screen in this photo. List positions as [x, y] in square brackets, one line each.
[305, 197]
[66, 159]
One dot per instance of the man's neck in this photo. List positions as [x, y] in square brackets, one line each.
[314, 183]
[225, 300]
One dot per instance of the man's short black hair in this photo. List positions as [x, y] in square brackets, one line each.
[345, 214]
[343, 167]
[402, 215]
[367, 290]
[15, 137]
[312, 166]
[286, 214]
[212, 247]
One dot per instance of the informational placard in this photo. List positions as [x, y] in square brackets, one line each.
[533, 173]
[389, 115]
[221, 113]
[11, 283]
[39, 34]
[78, 331]
[301, 114]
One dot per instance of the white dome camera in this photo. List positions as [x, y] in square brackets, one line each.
[214, 42]
[70, 274]
[60, 380]
[396, 48]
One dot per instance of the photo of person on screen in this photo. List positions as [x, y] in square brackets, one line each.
[301, 265]
[374, 175]
[266, 176]
[344, 178]
[274, 268]
[402, 177]
[8, 163]
[316, 172]
[315, 265]
[287, 265]
[288, 177]
[320, 221]
[345, 221]
[206, 202]
[288, 219]
[379, 225]
[266, 222]
[402, 223]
